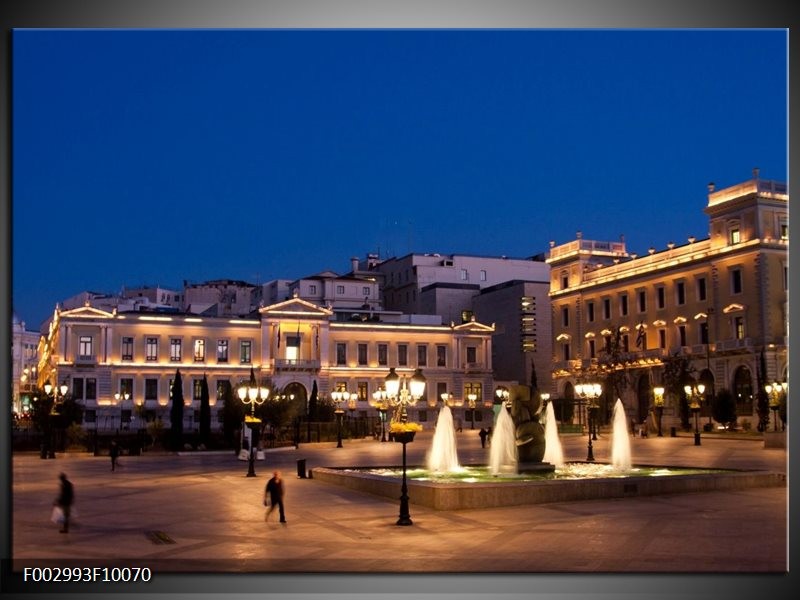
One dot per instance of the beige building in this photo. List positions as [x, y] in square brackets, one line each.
[291, 344]
[721, 302]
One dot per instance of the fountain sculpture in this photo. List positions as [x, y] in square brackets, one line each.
[503, 449]
[620, 440]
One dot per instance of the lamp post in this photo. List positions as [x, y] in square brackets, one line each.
[48, 387]
[381, 403]
[774, 391]
[338, 397]
[120, 397]
[589, 392]
[401, 397]
[658, 401]
[471, 399]
[253, 395]
[694, 393]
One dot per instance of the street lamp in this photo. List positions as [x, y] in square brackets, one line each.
[589, 392]
[694, 394]
[338, 397]
[401, 396]
[119, 397]
[471, 398]
[48, 387]
[252, 395]
[380, 402]
[658, 401]
[774, 391]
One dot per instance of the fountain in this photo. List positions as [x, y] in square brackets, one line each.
[503, 449]
[620, 440]
[443, 457]
[553, 453]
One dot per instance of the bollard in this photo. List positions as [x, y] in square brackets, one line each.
[301, 468]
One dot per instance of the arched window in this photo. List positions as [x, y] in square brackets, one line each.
[743, 390]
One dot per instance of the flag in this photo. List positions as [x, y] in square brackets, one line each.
[640, 336]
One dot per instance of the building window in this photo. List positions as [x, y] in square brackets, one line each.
[566, 351]
[151, 348]
[660, 297]
[607, 342]
[340, 289]
[77, 388]
[362, 390]
[606, 308]
[151, 389]
[590, 311]
[383, 354]
[222, 351]
[784, 230]
[464, 275]
[623, 305]
[126, 386]
[199, 350]
[441, 356]
[738, 328]
[785, 278]
[362, 354]
[662, 338]
[734, 235]
[704, 333]
[422, 355]
[592, 351]
[701, 289]
[483, 275]
[473, 387]
[175, 350]
[312, 289]
[365, 291]
[564, 280]
[245, 351]
[341, 354]
[641, 298]
[565, 316]
[85, 348]
[680, 293]
[682, 334]
[402, 355]
[197, 386]
[736, 281]
[127, 348]
[91, 388]
[472, 354]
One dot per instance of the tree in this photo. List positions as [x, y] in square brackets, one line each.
[205, 412]
[232, 413]
[677, 373]
[176, 412]
[312, 402]
[762, 402]
[611, 362]
[723, 408]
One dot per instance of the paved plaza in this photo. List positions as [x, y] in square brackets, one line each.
[200, 512]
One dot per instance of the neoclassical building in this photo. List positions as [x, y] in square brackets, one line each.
[293, 345]
[721, 302]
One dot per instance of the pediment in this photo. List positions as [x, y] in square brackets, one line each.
[474, 326]
[295, 307]
[86, 312]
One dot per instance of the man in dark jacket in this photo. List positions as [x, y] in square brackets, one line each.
[274, 490]
[65, 499]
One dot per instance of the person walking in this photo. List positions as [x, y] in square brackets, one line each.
[114, 452]
[64, 500]
[275, 491]
[483, 433]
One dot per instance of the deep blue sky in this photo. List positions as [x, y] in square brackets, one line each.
[150, 157]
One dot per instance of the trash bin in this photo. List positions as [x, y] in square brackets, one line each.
[301, 468]
[673, 432]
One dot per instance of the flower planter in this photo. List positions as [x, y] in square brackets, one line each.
[404, 436]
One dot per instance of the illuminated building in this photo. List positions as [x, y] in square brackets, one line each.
[293, 344]
[721, 302]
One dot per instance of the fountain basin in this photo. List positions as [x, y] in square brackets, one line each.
[518, 490]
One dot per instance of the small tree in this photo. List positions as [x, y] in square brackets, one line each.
[723, 408]
[176, 412]
[677, 373]
[611, 362]
[205, 412]
[564, 409]
[232, 413]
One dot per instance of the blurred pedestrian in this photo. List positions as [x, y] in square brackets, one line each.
[64, 501]
[275, 491]
[483, 433]
[114, 452]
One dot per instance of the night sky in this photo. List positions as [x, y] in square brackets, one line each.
[153, 157]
